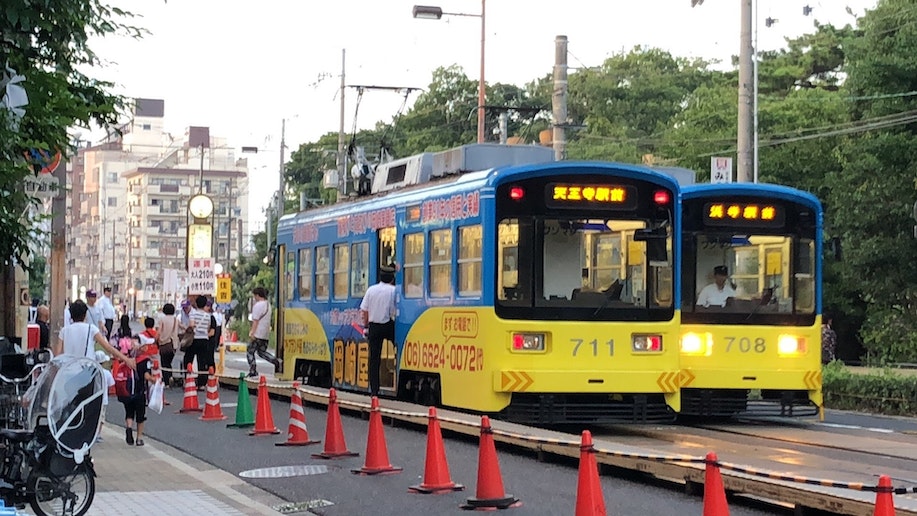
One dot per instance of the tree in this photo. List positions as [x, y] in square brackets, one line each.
[875, 184]
[443, 116]
[48, 44]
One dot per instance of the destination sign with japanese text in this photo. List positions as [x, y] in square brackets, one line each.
[743, 214]
[573, 195]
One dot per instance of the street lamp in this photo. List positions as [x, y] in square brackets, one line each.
[432, 12]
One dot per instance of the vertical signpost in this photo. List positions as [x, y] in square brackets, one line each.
[224, 288]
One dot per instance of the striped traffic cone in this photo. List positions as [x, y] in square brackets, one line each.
[190, 404]
[212, 410]
[297, 434]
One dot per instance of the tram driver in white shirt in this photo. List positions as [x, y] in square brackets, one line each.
[716, 293]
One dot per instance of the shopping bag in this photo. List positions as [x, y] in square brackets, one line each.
[156, 393]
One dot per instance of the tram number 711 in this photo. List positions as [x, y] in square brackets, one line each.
[594, 344]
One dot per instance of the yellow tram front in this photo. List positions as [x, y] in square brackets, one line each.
[751, 301]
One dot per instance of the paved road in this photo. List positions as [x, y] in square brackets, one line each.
[544, 488]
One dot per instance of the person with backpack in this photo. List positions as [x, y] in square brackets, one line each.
[168, 329]
[79, 338]
[131, 389]
[124, 338]
[149, 339]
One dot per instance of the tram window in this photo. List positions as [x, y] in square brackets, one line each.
[305, 274]
[289, 274]
[804, 276]
[413, 265]
[341, 271]
[508, 261]
[387, 239]
[359, 268]
[321, 272]
[469, 262]
[441, 263]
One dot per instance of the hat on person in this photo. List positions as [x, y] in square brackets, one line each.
[721, 270]
[91, 293]
[185, 303]
[101, 357]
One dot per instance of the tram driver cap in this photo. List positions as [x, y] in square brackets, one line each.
[721, 270]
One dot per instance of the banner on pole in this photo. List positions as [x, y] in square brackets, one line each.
[720, 169]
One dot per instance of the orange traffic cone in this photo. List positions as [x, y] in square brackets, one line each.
[589, 499]
[436, 477]
[714, 492]
[297, 435]
[190, 404]
[334, 432]
[489, 494]
[885, 505]
[264, 420]
[376, 451]
[212, 409]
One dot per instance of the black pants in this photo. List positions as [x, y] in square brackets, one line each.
[199, 348]
[109, 324]
[377, 335]
[167, 357]
[259, 347]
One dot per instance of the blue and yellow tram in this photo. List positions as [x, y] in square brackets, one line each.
[751, 345]
[540, 293]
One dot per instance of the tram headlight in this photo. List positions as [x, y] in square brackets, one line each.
[646, 343]
[790, 345]
[528, 342]
[697, 344]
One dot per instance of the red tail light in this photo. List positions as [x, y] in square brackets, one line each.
[516, 193]
[662, 197]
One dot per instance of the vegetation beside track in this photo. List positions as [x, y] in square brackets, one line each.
[878, 391]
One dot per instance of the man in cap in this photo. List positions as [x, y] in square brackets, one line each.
[719, 291]
[94, 312]
[108, 311]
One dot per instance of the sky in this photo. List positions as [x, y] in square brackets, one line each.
[242, 66]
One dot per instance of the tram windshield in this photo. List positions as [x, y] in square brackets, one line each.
[593, 268]
[748, 274]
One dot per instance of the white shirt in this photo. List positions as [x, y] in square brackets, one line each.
[713, 295]
[109, 381]
[94, 314]
[108, 309]
[68, 320]
[379, 302]
[79, 340]
[201, 323]
[261, 312]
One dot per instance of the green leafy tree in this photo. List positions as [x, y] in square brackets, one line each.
[443, 116]
[875, 189]
[48, 44]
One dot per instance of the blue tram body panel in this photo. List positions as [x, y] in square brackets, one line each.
[485, 337]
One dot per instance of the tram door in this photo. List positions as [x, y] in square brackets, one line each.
[284, 291]
[388, 237]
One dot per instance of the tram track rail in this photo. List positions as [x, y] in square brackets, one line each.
[802, 494]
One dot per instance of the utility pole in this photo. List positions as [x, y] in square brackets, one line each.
[229, 227]
[280, 191]
[559, 98]
[58, 249]
[745, 139]
[504, 127]
[342, 155]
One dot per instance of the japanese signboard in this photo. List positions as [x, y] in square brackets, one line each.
[720, 170]
[224, 288]
[201, 278]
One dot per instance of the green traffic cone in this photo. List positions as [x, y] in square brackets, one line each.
[245, 416]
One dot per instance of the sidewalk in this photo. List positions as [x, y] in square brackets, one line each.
[159, 479]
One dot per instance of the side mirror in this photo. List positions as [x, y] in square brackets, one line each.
[655, 243]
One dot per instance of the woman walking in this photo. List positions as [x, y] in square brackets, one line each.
[167, 328]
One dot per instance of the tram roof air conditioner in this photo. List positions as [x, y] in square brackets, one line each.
[402, 172]
[484, 156]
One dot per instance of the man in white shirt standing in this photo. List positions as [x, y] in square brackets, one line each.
[260, 333]
[378, 307]
[94, 312]
[717, 292]
[108, 311]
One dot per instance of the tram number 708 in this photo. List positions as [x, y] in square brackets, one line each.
[594, 344]
[745, 344]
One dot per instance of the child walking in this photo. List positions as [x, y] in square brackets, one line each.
[108, 382]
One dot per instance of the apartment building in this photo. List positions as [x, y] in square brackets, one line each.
[127, 212]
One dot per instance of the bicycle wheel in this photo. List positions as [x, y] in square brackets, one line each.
[70, 495]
